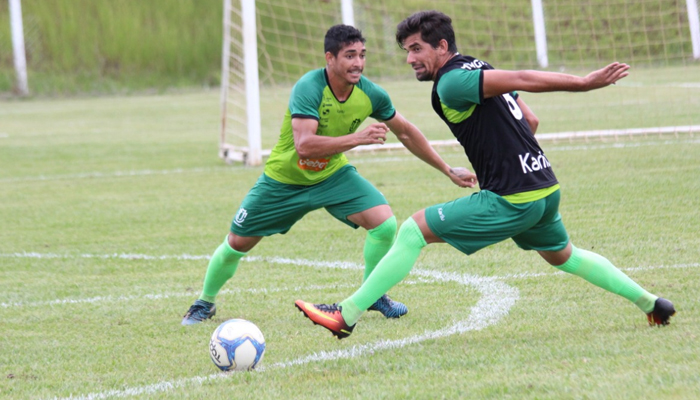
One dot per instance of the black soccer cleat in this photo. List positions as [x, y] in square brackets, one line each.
[198, 312]
[662, 313]
[389, 308]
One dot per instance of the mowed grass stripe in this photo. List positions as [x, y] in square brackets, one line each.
[417, 272]
[361, 158]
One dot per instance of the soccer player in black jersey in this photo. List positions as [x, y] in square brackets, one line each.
[519, 196]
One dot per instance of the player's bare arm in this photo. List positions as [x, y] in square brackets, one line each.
[530, 116]
[310, 145]
[498, 82]
[416, 143]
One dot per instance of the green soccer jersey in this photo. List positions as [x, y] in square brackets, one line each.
[312, 97]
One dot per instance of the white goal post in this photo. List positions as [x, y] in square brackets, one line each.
[18, 51]
[240, 83]
[269, 44]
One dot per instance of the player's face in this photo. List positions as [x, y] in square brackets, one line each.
[349, 63]
[424, 59]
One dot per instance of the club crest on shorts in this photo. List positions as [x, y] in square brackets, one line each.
[240, 217]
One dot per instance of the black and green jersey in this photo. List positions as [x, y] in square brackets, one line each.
[494, 133]
[312, 97]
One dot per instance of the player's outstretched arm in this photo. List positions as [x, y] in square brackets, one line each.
[498, 82]
[310, 145]
[416, 143]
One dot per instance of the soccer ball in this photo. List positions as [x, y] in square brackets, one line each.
[237, 345]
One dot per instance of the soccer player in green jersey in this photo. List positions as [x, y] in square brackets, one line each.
[519, 196]
[307, 169]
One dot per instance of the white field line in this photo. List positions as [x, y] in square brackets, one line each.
[126, 256]
[551, 146]
[555, 146]
[496, 300]
[615, 134]
[616, 145]
[161, 296]
[418, 273]
[113, 174]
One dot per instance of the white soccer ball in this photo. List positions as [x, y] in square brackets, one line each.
[237, 345]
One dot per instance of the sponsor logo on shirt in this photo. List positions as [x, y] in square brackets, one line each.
[476, 64]
[355, 123]
[240, 217]
[313, 164]
[531, 163]
[442, 216]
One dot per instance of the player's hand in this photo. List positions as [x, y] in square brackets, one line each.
[462, 177]
[607, 75]
[374, 134]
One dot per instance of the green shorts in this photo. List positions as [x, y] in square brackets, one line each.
[272, 207]
[485, 218]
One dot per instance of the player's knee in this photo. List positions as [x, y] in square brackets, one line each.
[386, 231]
[242, 244]
[410, 234]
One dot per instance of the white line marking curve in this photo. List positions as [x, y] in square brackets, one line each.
[496, 300]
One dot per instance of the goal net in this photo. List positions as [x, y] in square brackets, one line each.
[660, 39]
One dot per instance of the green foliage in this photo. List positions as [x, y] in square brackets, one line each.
[76, 45]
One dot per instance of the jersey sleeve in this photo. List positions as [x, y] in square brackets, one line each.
[305, 98]
[460, 89]
[382, 107]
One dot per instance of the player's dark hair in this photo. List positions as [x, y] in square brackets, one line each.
[433, 27]
[339, 36]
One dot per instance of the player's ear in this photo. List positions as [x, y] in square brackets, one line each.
[329, 57]
[443, 46]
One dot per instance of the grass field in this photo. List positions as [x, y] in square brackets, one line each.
[110, 207]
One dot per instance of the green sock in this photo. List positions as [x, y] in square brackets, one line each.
[222, 266]
[599, 271]
[395, 266]
[378, 243]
